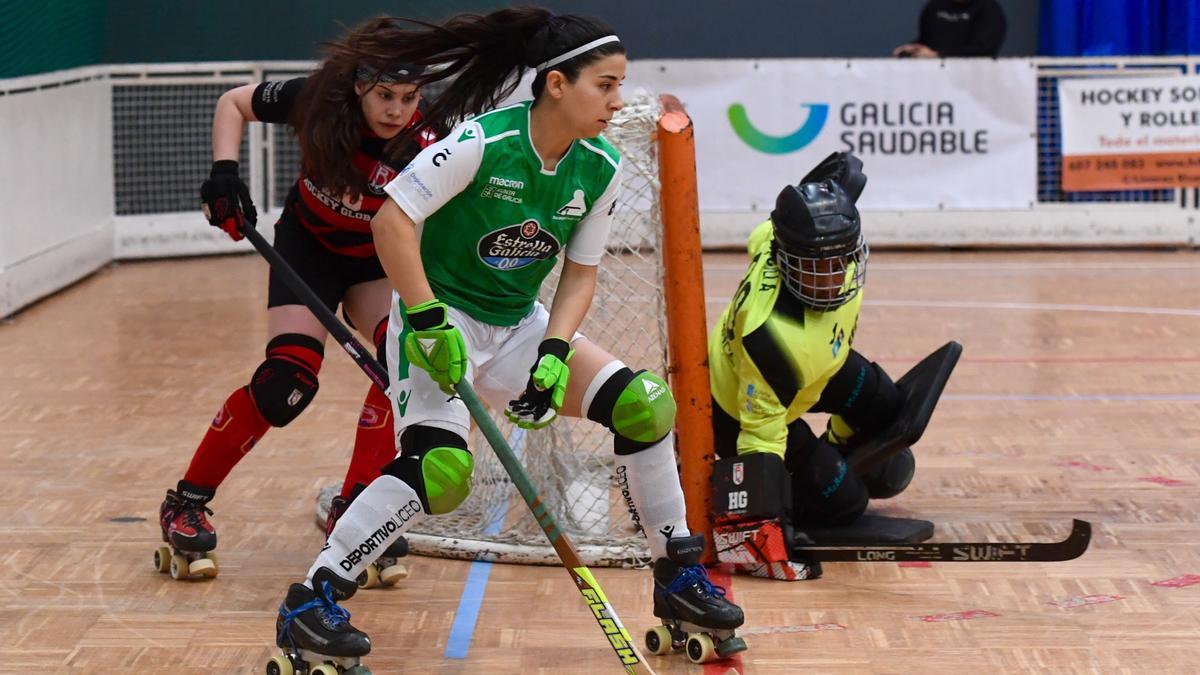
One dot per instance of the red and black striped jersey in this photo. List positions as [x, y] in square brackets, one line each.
[341, 224]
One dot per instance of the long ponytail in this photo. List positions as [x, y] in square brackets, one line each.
[483, 56]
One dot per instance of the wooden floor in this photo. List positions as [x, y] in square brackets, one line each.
[1078, 395]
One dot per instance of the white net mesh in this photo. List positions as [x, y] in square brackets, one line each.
[571, 462]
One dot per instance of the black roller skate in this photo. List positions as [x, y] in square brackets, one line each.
[315, 633]
[694, 612]
[386, 570]
[190, 538]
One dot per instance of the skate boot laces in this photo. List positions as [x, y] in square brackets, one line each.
[328, 612]
[695, 576]
[193, 516]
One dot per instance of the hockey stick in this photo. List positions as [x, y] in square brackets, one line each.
[631, 659]
[336, 328]
[610, 623]
[1068, 549]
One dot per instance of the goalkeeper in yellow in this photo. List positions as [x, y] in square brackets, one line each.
[783, 347]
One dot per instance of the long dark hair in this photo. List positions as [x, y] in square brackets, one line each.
[482, 56]
[327, 116]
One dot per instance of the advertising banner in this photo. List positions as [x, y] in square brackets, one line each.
[1130, 133]
[955, 134]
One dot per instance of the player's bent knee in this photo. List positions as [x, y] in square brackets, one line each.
[637, 407]
[286, 381]
[893, 476]
[825, 492]
[437, 465]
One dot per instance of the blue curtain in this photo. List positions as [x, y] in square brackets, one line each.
[1118, 27]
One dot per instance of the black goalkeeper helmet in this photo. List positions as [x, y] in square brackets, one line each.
[819, 247]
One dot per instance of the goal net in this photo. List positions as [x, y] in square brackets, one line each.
[571, 462]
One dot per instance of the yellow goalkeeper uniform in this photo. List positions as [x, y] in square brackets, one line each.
[770, 357]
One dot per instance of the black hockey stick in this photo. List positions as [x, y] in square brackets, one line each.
[1068, 549]
[336, 328]
[618, 637]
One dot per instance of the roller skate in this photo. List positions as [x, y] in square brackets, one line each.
[190, 538]
[695, 614]
[315, 633]
[386, 570]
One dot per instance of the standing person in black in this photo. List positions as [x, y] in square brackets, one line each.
[359, 122]
[957, 28]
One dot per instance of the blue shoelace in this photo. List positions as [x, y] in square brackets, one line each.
[695, 576]
[325, 606]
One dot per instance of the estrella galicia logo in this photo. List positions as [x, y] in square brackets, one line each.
[515, 246]
[778, 145]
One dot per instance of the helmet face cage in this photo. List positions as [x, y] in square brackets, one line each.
[824, 280]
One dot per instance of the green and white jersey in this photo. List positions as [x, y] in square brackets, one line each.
[491, 218]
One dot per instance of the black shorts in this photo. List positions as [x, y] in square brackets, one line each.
[328, 274]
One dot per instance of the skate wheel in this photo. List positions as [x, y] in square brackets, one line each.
[212, 555]
[162, 559]
[280, 665]
[324, 669]
[202, 568]
[658, 640]
[393, 574]
[700, 648]
[179, 566]
[369, 578]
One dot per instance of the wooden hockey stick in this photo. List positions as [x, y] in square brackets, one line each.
[618, 637]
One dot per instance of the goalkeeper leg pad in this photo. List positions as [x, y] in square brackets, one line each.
[825, 492]
[437, 465]
[751, 526]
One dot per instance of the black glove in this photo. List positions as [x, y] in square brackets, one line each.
[547, 388]
[220, 196]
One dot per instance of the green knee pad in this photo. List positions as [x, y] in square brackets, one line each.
[446, 474]
[645, 409]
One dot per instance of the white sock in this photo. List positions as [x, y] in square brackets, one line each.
[655, 496]
[378, 516]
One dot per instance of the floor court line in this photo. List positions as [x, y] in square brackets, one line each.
[462, 631]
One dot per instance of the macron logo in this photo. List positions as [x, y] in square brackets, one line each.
[506, 183]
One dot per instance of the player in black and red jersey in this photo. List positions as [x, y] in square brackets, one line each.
[359, 122]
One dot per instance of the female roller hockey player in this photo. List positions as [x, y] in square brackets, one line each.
[473, 226]
[355, 118]
[783, 348]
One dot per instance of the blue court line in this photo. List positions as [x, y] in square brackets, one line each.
[462, 631]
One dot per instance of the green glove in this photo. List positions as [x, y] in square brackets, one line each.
[434, 345]
[547, 387]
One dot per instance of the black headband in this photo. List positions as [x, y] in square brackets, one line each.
[400, 73]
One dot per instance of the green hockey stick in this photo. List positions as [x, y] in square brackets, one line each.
[631, 659]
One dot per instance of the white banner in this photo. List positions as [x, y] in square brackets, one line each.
[1102, 116]
[1130, 133]
[956, 134]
